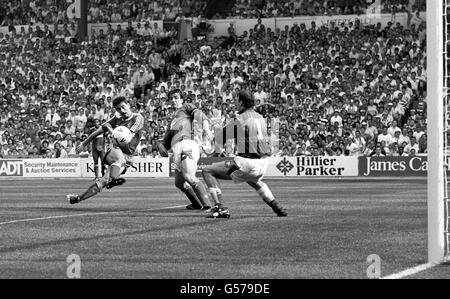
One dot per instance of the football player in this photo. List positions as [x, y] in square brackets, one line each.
[117, 157]
[250, 164]
[98, 149]
[183, 136]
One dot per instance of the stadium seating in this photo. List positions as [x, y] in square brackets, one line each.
[102, 11]
[332, 90]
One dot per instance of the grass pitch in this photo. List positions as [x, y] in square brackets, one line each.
[142, 230]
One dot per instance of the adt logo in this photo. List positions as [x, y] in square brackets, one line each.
[11, 168]
[285, 166]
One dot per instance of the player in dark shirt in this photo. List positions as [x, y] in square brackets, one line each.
[98, 148]
[250, 132]
[117, 157]
[184, 136]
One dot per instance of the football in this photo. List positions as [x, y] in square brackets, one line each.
[122, 135]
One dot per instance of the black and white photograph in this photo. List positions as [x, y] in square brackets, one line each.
[224, 147]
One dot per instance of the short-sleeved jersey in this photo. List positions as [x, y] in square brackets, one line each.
[180, 127]
[135, 123]
[250, 132]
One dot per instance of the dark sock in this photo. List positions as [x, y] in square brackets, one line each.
[202, 194]
[275, 205]
[91, 191]
[190, 194]
[96, 170]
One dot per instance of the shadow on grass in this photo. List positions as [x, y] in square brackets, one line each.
[204, 221]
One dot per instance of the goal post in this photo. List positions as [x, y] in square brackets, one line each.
[436, 91]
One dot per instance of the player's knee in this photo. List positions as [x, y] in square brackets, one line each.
[182, 186]
[232, 167]
[115, 156]
[102, 183]
[190, 178]
[216, 190]
[116, 169]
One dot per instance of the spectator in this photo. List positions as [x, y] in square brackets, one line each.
[142, 80]
[259, 28]
[59, 151]
[413, 145]
[157, 64]
[52, 117]
[325, 96]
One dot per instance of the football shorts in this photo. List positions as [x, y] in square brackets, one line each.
[185, 149]
[250, 170]
[115, 156]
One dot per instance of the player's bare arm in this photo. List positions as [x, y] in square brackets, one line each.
[89, 139]
[107, 128]
[164, 145]
[162, 150]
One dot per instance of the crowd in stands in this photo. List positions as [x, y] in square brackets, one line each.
[33, 12]
[38, 12]
[339, 89]
[290, 8]
[102, 11]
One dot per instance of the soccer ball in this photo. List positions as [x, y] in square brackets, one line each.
[122, 135]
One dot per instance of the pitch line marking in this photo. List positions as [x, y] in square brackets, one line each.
[410, 271]
[86, 214]
[99, 213]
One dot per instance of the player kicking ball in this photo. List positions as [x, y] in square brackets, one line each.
[124, 133]
[188, 121]
[249, 165]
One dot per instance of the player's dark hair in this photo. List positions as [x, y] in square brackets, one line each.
[118, 100]
[247, 100]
